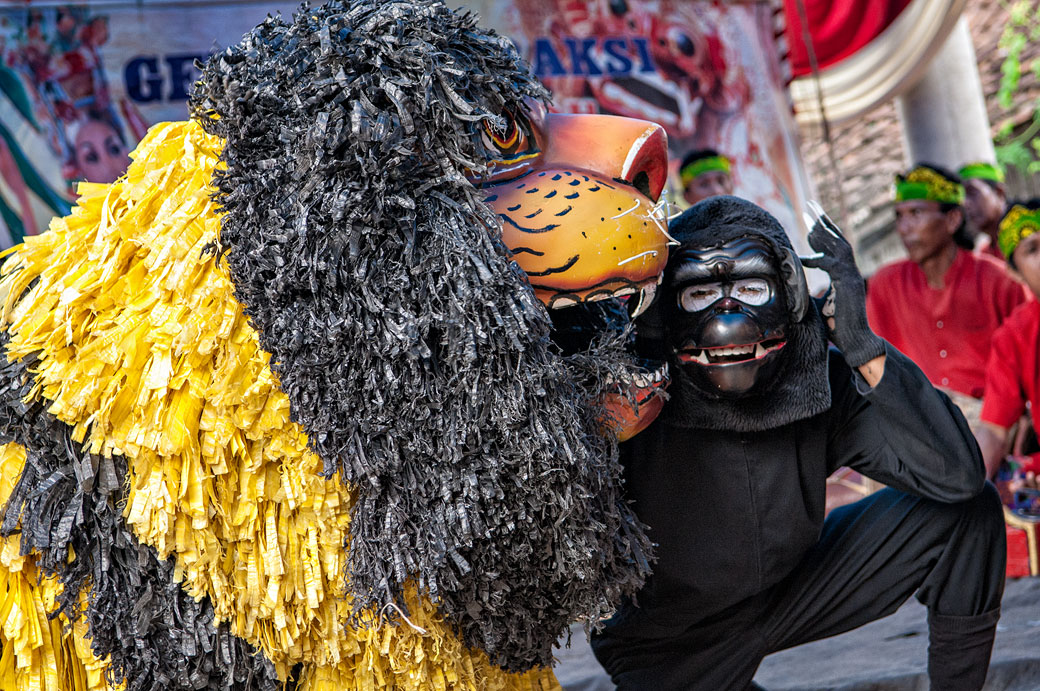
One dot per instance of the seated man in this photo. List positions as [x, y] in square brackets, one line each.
[730, 478]
[1013, 371]
[705, 173]
[985, 200]
[941, 305]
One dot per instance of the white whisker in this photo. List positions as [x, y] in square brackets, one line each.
[637, 256]
[661, 226]
[670, 209]
[625, 213]
[661, 214]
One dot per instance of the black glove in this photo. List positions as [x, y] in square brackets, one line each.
[845, 307]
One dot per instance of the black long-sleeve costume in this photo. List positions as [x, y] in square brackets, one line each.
[747, 565]
[734, 513]
[731, 479]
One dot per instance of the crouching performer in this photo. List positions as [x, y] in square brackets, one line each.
[730, 478]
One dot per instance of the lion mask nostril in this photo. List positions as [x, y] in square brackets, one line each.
[642, 183]
[646, 166]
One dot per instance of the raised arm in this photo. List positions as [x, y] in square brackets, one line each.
[904, 433]
[892, 425]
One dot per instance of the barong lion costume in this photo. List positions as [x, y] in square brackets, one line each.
[282, 409]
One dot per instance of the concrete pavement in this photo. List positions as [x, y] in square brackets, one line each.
[886, 655]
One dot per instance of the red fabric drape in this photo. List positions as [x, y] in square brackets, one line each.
[838, 27]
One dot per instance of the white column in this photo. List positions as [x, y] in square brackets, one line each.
[944, 114]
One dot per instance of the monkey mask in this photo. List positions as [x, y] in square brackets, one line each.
[746, 345]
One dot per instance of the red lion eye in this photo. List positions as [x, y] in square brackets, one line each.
[509, 147]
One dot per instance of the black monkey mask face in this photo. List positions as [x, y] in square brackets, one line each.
[731, 320]
[747, 347]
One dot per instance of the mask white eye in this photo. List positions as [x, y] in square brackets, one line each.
[696, 297]
[751, 291]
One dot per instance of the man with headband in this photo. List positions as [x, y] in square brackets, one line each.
[941, 305]
[705, 173]
[731, 477]
[1013, 372]
[985, 201]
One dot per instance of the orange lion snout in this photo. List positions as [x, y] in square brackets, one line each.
[583, 221]
[624, 149]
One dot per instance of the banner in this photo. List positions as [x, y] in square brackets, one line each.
[709, 72]
[81, 83]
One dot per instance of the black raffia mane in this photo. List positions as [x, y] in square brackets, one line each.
[413, 351]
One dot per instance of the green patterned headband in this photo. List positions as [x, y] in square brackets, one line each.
[1018, 223]
[981, 171]
[925, 183]
[703, 165]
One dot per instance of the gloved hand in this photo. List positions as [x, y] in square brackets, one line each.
[845, 307]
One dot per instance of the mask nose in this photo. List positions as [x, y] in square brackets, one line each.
[727, 304]
[622, 149]
[729, 327]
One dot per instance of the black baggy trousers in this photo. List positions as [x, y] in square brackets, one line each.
[871, 556]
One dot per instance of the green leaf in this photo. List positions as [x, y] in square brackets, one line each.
[1021, 151]
[1007, 33]
[1014, 154]
[1017, 43]
[1010, 76]
[1019, 13]
[1006, 93]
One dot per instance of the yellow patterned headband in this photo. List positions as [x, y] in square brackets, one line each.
[1018, 223]
[925, 183]
[701, 166]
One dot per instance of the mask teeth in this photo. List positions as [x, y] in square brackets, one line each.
[559, 302]
[641, 379]
[734, 350]
[646, 296]
[701, 357]
[647, 379]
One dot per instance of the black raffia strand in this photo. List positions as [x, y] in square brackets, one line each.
[413, 351]
[68, 501]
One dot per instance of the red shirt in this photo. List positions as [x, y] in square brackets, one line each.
[946, 331]
[986, 245]
[1013, 372]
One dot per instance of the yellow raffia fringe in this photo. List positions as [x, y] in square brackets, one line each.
[145, 353]
[39, 653]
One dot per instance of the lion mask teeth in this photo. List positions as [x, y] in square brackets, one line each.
[639, 295]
